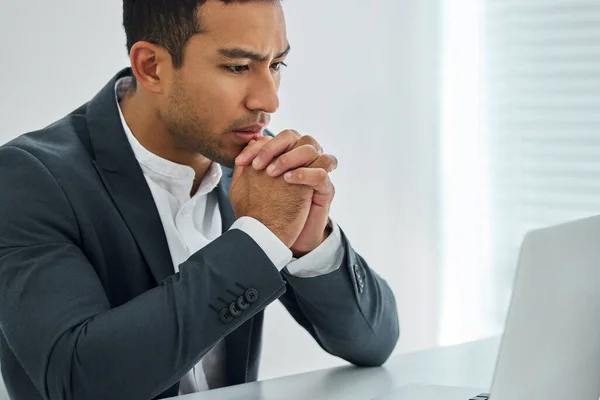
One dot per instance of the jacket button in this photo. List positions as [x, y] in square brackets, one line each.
[226, 316]
[234, 310]
[242, 303]
[357, 272]
[251, 295]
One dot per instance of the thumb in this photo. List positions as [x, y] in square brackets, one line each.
[237, 171]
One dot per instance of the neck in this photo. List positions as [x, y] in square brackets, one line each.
[151, 133]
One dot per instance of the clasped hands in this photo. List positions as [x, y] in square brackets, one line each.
[283, 182]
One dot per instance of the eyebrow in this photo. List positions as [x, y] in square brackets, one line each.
[241, 53]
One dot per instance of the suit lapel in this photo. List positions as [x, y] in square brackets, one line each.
[134, 200]
[124, 180]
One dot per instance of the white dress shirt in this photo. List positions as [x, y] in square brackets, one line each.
[192, 222]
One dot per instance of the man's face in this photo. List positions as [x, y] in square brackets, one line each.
[223, 94]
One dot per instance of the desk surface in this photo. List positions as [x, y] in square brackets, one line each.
[469, 365]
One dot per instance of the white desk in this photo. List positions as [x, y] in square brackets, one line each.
[469, 365]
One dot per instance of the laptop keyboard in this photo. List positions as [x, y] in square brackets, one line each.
[484, 396]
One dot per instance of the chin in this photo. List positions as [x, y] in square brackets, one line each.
[227, 158]
[228, 163]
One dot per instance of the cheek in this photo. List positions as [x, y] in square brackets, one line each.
[217, 100]
[229, 95]
[223, 105]
[203, 103]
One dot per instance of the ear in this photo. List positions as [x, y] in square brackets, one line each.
[151, 65]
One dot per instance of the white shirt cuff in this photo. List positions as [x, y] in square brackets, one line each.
[274, 248]
[323, 260]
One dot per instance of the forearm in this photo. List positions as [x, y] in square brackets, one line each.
[355, 321]
[146, 345]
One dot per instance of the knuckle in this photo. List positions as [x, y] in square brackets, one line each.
[321, 162]
[258, 148]
[259, 143]
[309, 139]
[266, 148]
[283, 160]
[290, 133]
[260, 152]
[312, 152]
[317, 145]
[286, 134]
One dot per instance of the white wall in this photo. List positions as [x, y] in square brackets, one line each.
[465, 200]
[363, 79]
[56, 55]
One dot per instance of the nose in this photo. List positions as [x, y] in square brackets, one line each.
[262, 95]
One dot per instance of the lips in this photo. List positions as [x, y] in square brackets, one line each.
[251, 129]
[246, 134]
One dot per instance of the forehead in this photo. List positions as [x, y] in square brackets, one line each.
[256, 25]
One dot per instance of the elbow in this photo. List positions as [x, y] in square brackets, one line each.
[383, 339]
[374, 349]
[382, 346]
[388, 347]
[63, 381]
[66, 378]
[59, 375]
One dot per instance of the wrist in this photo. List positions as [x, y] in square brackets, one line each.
[326, 232]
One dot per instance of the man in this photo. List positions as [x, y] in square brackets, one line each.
[142, 236]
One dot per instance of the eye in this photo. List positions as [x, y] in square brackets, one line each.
[277, 66]
[236, 69]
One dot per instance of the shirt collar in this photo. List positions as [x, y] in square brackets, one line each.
[173, 177]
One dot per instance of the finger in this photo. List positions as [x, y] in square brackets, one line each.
[302, 156]
[282, 143]
[237, 171]
[251, 150]
[328, 162]
[317, 178]
[307, 139]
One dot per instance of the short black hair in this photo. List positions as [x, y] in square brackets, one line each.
[166, 23]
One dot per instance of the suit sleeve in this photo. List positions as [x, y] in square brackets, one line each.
[56, 317]
[351, 312]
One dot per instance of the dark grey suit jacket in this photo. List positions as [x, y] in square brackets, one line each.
[90, 307]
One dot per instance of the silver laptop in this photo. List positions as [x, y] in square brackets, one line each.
[431, 392]
[551, 344]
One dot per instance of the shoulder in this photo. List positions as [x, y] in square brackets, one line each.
[61, 145]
